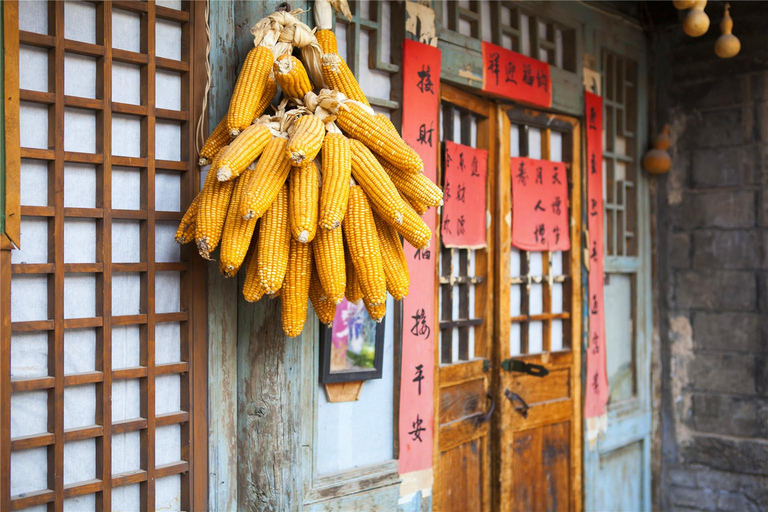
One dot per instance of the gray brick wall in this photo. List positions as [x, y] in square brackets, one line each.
[712, 262]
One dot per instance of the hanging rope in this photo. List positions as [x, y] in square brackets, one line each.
[200, 130]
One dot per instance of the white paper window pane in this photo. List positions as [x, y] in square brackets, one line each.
[386, 28]
[168, 90]
[558, 48]
[514, 262]
[126, 346]
[127, 498]
[126, 241]
[33, 17]
[79, 75]
[534, 142]
[33, 125]
[556, 343]
[557, 263]
[126, 293]
[33, 74]
[455, 303]
[168, 39]
[535, 266]
[171, 4]
[514, 340]
[557, 298]
[126, 83]
[79, 296]
[79, 406]
[168, 292]
[29, 469]
[485, 18]
[167, 191]
[129, 141]
[364, 9]
[80, 22]
[79, 350]
[473, 131]
[167, 444]
[514, 140]
[84, 503]
[126, 188]
[376, 83]
[465, 27]
[535, 299]
[126, 30]
[168, 140]
[454, 345]
[555, 146]
[506, 41]
[29, 354]
[168, 493]
[79, 240]
[125, 399]
[166, 247]
[167, 343]
[456, 128]
[79, 461]
[79, 185]
[535, 337]
[515, 300]
[167, 394]
[29, 298]
[455, 267]
[341, 39]
[34, 241]
[126, 452]
[29, 413]
[79, 130]
[34, 182]
[525, 37]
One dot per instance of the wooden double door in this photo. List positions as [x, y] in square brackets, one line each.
[508, 385]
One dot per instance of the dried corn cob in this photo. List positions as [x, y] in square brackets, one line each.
[218, 138]
[274, 243]
[327, 41]
[325, 308]
[237, 231]
[268, 178]
[359, 124]
[337, 168]
[302, 206]
[295, 291]
[393, 257]
[380, 190]
[186, 231]
[413, 229]
[376, 311]
[352, 290]
[337, 75]
[418, 206]
[270, 89]
[329, 258]
[306, 140]
[414, 186]
[242, 151]
[249, 89]
[360, 235]
[291, 76]
[212, 212]
[387, 123]
[252, 289]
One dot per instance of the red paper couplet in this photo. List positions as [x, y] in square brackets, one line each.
[421, 108]
[539, 205]
[596, 396]
[515, 76]
[463, 214]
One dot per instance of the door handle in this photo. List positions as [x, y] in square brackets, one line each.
[482, 418]
[522, 410]
[515, 365]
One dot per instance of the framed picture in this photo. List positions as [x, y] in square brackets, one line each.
[352, 348]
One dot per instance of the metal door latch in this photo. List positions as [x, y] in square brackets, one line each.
[482, 418]
[514, 397]
[514, 365]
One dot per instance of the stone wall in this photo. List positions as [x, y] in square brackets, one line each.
[712, 265]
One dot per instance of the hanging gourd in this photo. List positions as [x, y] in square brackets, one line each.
[696, 22]
[657, 160]
[682, 5]
[727, 45]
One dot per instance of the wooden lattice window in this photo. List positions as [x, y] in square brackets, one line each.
[103, 402]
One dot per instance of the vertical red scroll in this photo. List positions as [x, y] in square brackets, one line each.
[421, 116]
[464, 208]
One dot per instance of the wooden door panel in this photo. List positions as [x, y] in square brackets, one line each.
[462, 400]
[535, 390]
[542, 484]
[463, 485]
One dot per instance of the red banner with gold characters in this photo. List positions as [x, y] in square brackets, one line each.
[596, 383]
[464, 209]
[515, 76]
[421, 116]
[539, 205]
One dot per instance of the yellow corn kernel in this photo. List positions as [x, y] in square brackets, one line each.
[393, 257]
[212, 212]
[352, 290]
[416, 187]
[186, 231]
[267, 180]
[337, 75]
[387, 123]
[274, 243]
[325, 308]
[249, 88]
[270, 89]
[295, 291]
[218, 138]
[237, 231]
[337, 168]
[242, 151]
[413, 229]
[306, 140]
[376, 311]
[379, 189]
[360, 235]
[359, 124]
[421, 208]
[327, 41]
[329, 258]
[291, 76]
[302, 207]
[252, 289]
